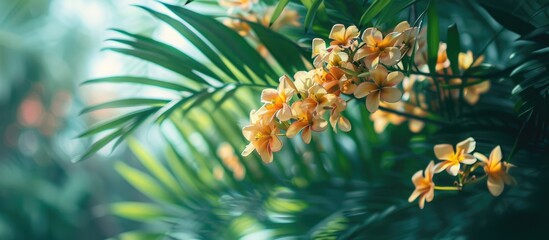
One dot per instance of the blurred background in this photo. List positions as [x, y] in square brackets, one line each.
[47, 48]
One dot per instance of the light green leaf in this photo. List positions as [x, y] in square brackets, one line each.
[130, 102]
[143, 182]
[278, 10]
[138, 211]
[311, 13]
[373, 11]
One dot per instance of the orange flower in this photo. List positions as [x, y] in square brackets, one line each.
[263, 137]
[331, 80]
[318, 99]
[425, 187]
[407, 37]
[338, 120]
[306, 121]
[377, 49]
[497, 171]
[383, 88]
[343, 36]
[276, 101]
[472, 93]
[452, 159]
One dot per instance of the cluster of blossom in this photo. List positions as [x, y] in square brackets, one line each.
[245, 10]
[353, 64]
[462, 163]
[415, 102]
[230, 160]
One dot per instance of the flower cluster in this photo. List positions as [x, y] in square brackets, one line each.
[352, 65]
[462, 163]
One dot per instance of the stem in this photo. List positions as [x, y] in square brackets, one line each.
[427, 120]
[447, 188]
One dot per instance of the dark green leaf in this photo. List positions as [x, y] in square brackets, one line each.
[311, 13]
[454, 48]
[141, 81]
[373, 11]
[432, 36]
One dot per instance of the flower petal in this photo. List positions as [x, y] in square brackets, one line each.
[416, 178]
[372, 101]
[495, 185]
[393, 79]
[275, 144]
[364, 89]
[390, 94]
[337, 32]
[443, 151]
[372, 36]
[249, 149]
[402, 26]
[390, 56]
[295, 127]
[379, 75]
[453, 169]
[468, 159]
[319, 47]
[285, 113]
[441, 166]
[306, 135]
[268, 95]
[468, 145]
[481, 157]
[344, 124]
[495, 155]
[422, 201]
[414, 195]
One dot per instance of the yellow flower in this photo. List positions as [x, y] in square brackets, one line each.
[452, 159]
[425, 187]
[407, 37]
[343, 36]
[336, 119]
[263, 137]
[276, 101]
[497, 171]
[330, 81]
[305, 80]
[245, 5]
[377, 49]
[382, 88]
[318, 99]
[306, 121]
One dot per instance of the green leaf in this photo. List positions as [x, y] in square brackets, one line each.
[227, 41]
[432, 36]
[278, 10]
[454, 48]
[117, 121]
[137, 211]
[373, 11]
[155, 58]
[100, 144]
[143, 182]
[291, 59]
[154, 166]
[140, 81]
[130, 102]
[151, 45]
[311, 13]
[194, 39]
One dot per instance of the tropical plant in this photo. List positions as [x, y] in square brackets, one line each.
[351, 185]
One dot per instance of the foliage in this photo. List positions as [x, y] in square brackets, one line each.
[345, 186]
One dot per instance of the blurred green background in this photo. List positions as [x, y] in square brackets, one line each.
[47, 48]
